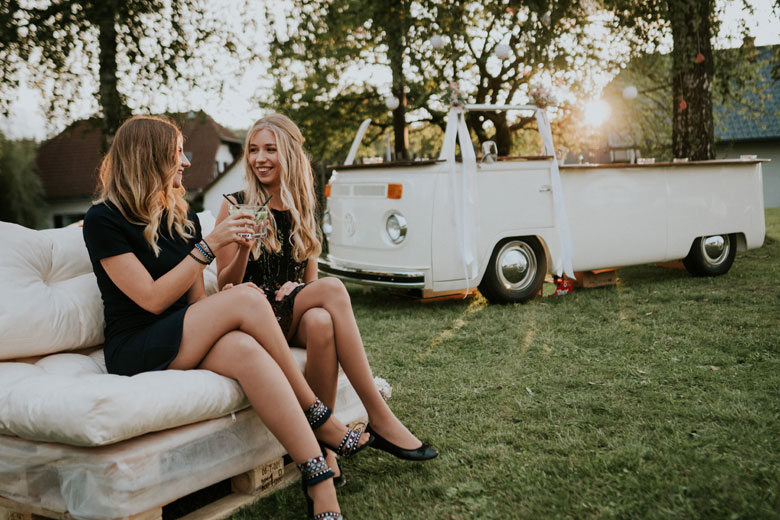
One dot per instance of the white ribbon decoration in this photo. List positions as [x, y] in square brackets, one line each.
[463, 206]
[559, 205]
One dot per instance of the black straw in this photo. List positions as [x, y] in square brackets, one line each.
[230, 201]
[266, 200]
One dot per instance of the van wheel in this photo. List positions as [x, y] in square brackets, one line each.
[712, 255]
[516, 271]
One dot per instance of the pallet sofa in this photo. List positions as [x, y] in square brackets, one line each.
[76, 442]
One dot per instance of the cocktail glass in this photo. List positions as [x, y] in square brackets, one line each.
[261, 217]
[248, 209]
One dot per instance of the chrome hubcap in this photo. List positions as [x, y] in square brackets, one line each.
[516, 265]
[715, 248]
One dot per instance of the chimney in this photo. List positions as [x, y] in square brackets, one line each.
[749, 48]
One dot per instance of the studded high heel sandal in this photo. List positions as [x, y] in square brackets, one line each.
[318, 414]
[314, 471]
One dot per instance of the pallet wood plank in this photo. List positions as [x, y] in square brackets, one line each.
[259, 478]
[226, 506]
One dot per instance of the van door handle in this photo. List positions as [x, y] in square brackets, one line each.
[545, 187]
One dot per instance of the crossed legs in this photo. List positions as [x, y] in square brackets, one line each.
[323, 323]
[234, 333]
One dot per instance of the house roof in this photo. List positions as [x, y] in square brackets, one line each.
[740, 122]
[68, 163]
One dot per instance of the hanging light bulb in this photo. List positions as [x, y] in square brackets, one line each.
[503, 51]
[392, 102]
[437, 42]
[630, 92]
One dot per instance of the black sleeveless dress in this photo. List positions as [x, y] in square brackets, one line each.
[136, 340]
[272, 270]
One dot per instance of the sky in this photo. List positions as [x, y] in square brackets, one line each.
[234, 108]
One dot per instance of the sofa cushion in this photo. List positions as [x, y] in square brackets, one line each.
[69, 398]
[49, 300]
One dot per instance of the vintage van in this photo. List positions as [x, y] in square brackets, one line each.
[501, 223]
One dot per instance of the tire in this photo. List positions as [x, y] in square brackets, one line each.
[711, 255]
[516, 271]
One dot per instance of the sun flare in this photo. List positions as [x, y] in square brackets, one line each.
[596, 112]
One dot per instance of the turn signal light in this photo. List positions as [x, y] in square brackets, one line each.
[394, 191]
[327, 191]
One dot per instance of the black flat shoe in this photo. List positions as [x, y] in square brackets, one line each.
[424, 452]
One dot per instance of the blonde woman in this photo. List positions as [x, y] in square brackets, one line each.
[314, 314]
[148, 255]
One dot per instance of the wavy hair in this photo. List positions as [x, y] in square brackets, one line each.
[136, 174]
[297, 188]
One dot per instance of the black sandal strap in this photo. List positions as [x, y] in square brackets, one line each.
[349, 444]
[314, 471]
[328, 516]
[317, 414]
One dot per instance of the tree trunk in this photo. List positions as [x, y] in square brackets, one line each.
[693, 129]
[395, 52]
[503, 137]
[111, 102]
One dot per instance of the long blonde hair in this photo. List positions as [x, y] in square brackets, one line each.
[297, 188]
[136, 174]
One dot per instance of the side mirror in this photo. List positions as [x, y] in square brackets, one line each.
[489, 152]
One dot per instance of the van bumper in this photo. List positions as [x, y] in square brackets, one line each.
[372, 276]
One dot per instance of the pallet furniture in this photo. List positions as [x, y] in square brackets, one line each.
[77, 442]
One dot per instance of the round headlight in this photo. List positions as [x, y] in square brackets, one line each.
[327, 223]
[396, 228]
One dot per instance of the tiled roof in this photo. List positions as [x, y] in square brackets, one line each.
[68, 163]
[742, 122]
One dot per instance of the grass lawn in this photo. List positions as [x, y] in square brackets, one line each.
[655, 398]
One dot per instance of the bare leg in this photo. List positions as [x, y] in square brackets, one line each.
[330, 295]
[239, 356]
[315, 333]
[246, 309]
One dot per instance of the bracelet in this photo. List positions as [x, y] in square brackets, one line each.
[197, 259]
[206, 247]
[208, 256]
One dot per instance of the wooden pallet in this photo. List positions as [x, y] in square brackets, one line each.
[597, 278]
[247, 488]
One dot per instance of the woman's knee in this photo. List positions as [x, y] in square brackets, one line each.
[249, 299]
[336, 290]
[319, 326]
[245, 352]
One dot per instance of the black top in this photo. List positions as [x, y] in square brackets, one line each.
[106, 234]
[272, 270]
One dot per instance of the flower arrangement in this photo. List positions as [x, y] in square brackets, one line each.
[542, 97]
[455, 95]
[385, 390]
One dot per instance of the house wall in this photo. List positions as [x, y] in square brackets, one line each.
[770, 170]
[230, 182]
[223, 159]
[61, 213]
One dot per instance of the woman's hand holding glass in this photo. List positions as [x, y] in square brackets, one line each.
[238, 227]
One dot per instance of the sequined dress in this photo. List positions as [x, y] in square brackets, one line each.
[272, 270]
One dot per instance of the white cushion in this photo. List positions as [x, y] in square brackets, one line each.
[49, 299]
[69, 398]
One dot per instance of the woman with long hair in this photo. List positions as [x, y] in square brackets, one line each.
[313, 313]
[148, 255]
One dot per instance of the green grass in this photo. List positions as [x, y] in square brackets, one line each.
[655, 398]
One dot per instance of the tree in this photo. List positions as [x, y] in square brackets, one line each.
[693, 25]
[21, 191]
[127, 47]
[333, 40]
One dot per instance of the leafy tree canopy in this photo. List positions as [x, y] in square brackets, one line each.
[131, 49]
[336, 49]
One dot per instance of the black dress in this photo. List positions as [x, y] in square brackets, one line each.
[272, 270]
[136, 340]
